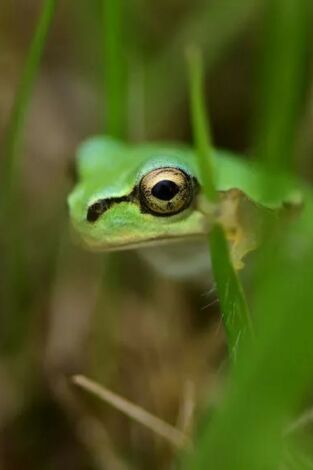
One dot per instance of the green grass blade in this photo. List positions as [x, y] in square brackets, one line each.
[15, 288]
[12, 153]
[115, 72]
[234, 308]
[283, 80]
[272, 374]
[201, 133]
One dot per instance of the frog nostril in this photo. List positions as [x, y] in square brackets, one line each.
[96, 209]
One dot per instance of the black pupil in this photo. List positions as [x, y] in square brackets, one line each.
[165, 190]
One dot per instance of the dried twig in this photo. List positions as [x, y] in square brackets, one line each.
[155, 424]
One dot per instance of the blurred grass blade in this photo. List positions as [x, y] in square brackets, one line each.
[272, 374]
[201, 133]
[15, 287]
[283, 80]
[234, 308]
[12, 154]
[235, 311]
[115, 72]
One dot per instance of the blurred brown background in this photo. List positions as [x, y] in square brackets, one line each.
[155, 341]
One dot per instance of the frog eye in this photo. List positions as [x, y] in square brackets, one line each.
[165, 191]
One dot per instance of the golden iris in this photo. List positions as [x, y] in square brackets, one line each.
[166, 191]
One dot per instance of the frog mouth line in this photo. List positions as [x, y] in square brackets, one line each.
[165, 240]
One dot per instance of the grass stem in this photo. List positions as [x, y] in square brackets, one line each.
[12, 150]
[235, 311]
[115, 73]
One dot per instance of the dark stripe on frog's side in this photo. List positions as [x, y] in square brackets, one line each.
[100, 206]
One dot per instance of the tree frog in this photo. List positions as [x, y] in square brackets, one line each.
[148, 197]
